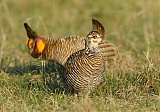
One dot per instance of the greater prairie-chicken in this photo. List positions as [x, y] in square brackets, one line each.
[85, 68]
[60, 49]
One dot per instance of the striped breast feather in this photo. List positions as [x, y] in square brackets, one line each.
[84, 71]
[84, 64]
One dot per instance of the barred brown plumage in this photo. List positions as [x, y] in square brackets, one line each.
[85, 68]
[60, 49]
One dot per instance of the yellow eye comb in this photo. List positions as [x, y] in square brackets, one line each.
[29, 42]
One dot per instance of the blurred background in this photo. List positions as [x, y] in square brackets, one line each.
[134, 26]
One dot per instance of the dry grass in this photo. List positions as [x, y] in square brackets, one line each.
[134, 26]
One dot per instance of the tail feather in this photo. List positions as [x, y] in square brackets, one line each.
[109, 51]
[106, 47]
[96, 25]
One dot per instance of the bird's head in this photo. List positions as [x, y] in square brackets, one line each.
[95, 36]
[35, 43]
[93, 39]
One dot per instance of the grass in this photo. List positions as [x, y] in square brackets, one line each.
[132, 25]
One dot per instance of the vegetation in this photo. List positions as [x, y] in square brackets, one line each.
[133, 25]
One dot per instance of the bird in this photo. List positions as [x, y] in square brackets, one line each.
[60, 49]
[85, 68]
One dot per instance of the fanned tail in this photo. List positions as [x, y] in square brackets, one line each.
[109, 51]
